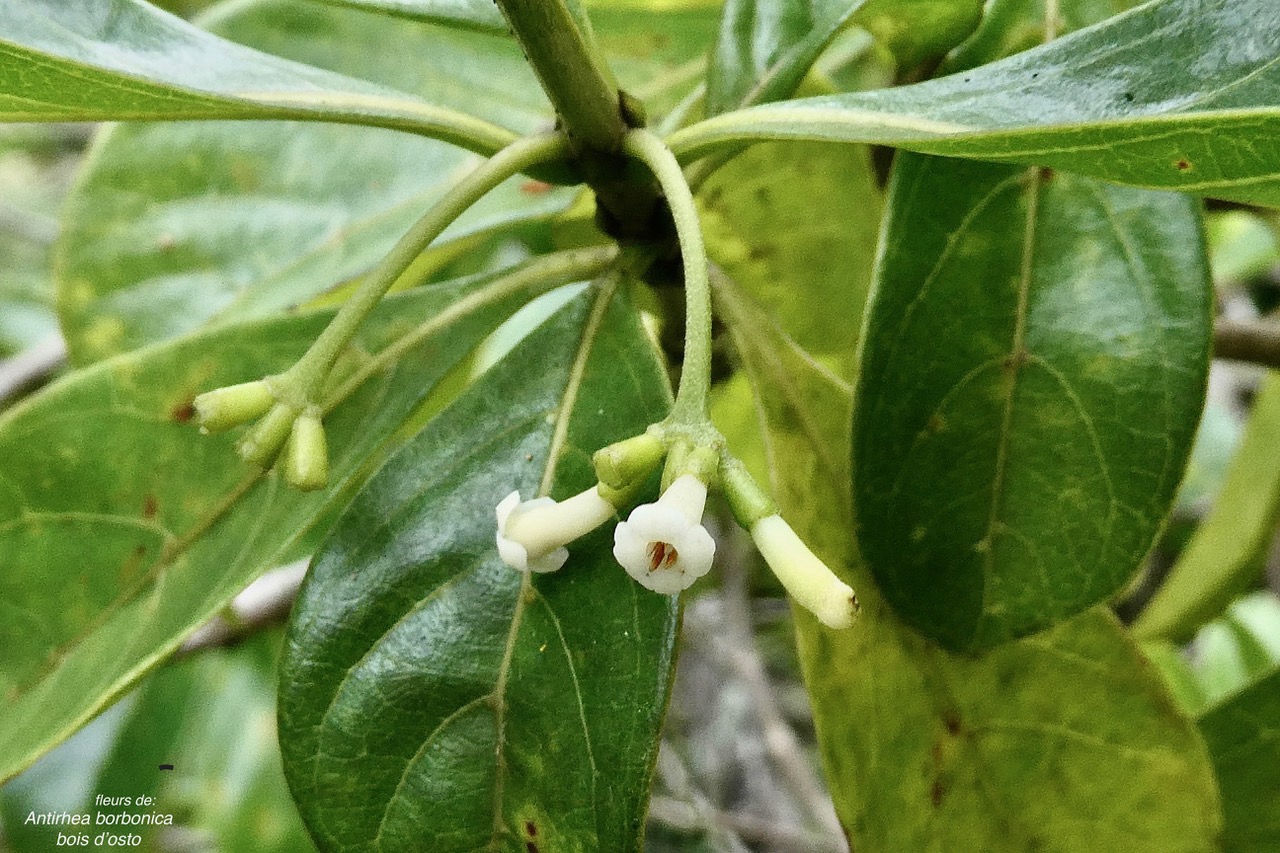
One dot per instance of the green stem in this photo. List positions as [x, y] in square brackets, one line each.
[532, 278]
[302, 383]
[561, 48]
[695, 375]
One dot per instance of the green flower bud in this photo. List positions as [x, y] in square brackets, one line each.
[306, 462]
[223, 408]
[622, 465]
[261, 444]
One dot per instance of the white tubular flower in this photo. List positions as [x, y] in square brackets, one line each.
[532, 534]
[806, 578]
[663, 545]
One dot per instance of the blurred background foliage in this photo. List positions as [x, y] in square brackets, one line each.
[738, 768]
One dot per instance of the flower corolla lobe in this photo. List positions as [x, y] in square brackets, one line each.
[663, 545]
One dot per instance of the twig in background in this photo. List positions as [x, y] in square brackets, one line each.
[736, 646]
[264, 603]
[685, 817]
[1254, 341]
[31, 367]
[675, 777]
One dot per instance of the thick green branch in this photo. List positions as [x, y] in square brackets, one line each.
[561, 48]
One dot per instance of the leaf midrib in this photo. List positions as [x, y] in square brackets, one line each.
[555, 449]
[1014, 362]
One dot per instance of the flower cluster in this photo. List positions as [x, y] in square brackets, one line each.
[283, 428]
[664, 545]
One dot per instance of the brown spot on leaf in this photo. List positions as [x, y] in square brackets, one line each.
[184, 411]
[952, 722]
[530, 847]
[1183, 165]
[132, 564]
[150, 506]
[531, 829]
[936, 793]
[532, 187]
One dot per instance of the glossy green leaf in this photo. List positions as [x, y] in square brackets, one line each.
[481, 15]
[780, 261]
[1064, 743]
[766, 47]
[799, 403]
[1230, 547]
[1243, 734]
[1176, 94]
[1033, 372]
[125, 59]
[122, 528]
[213, 718]
[433, 698]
